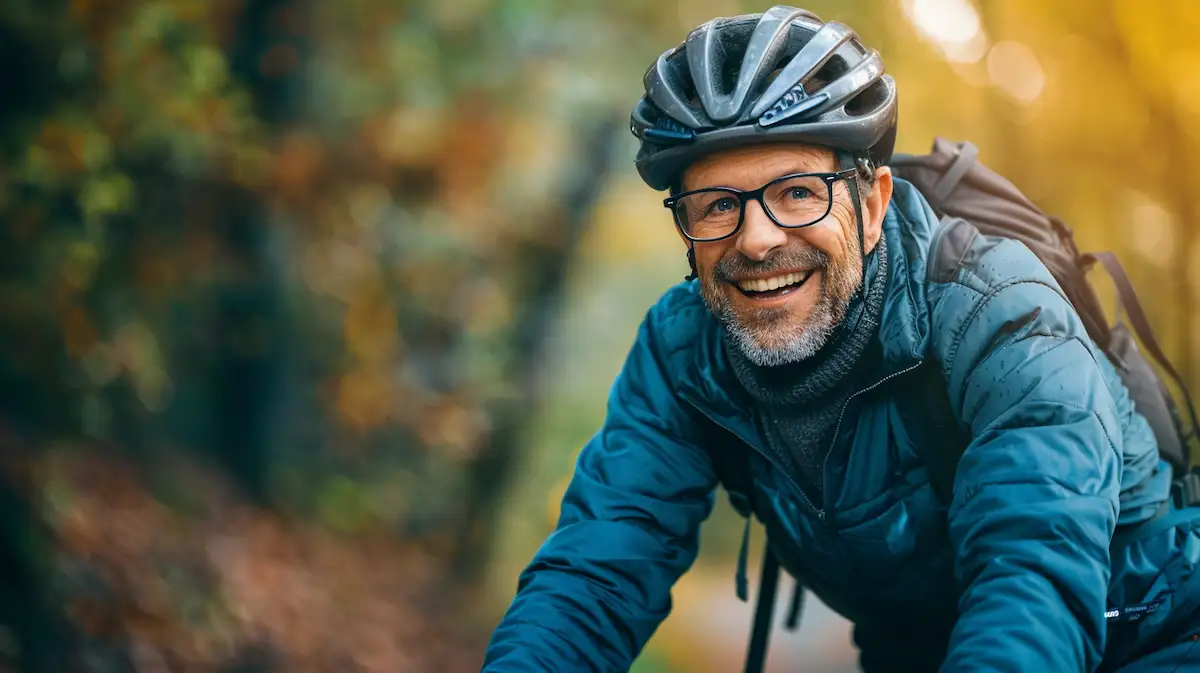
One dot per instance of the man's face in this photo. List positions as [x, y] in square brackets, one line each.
[823, 261]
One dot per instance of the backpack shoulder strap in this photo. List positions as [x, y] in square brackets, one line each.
[967, 155]
[1141, 327]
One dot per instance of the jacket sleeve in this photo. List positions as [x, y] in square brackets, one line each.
[1036, 492]
[600, 585]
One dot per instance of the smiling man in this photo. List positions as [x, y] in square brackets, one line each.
[759, 285]
[832, 333]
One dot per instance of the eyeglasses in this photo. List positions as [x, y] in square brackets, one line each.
[791, 201]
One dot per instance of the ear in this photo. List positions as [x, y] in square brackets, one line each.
[875, 205]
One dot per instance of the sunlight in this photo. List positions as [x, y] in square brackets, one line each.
[953, 25]
[1154, 236]
[1015, 70]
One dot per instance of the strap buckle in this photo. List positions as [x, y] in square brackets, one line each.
[1186, 489]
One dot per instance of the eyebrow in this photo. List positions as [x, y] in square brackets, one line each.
[793, 170]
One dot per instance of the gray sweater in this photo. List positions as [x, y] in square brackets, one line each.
[798, 404]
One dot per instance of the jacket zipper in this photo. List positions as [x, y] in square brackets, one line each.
[819, 511]
[838, 428]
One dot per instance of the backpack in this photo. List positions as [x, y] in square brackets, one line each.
[958, 187]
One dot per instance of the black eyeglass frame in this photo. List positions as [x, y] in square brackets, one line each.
[757, 195]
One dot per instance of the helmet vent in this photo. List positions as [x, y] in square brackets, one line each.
[834, 68]
[868, 101]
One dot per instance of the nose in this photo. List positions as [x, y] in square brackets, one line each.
[759, 235]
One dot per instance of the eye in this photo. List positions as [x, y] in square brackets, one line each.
[724, 204]
[799, 193]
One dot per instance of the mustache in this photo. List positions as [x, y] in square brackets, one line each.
[735, 264]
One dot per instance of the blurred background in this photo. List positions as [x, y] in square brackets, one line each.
[308, 306]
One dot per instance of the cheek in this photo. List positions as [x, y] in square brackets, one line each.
[829, 236]
[843, 210]
[708, 254]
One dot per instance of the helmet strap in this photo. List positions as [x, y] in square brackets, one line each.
[848, 160]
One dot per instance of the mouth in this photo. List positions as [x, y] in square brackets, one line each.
[775, 286]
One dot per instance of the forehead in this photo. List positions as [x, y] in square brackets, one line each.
[750, 167]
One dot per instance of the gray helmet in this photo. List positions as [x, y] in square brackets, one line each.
[783, 75]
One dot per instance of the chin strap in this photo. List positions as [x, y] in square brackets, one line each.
[863, 165]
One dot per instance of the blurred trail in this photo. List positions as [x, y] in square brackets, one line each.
[710, 628]
[225, 586]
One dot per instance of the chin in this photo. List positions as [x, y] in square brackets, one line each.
[781, 344]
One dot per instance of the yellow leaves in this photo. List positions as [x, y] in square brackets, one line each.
[631, 223]
[367, 204]
[692, 13]
[1154, 235]
[1187, 89]
[489, 307]
[1193, 274]
[469, 153]
[338, 269]
[364, 398]
[411, 136]
[455, 427]
[534, 150]
[370, 329]
[554, 500]
[1161, 48]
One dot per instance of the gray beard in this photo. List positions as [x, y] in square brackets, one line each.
[762, 345]
[765, 338]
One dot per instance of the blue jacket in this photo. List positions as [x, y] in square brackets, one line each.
[1016, 573]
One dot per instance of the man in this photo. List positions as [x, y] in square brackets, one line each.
[824, 295]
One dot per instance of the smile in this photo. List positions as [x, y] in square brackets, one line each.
[775, 285]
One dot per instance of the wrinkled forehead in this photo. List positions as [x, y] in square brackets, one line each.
[751, 167]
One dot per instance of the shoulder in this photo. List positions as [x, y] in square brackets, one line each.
[969, 272]
[675, 323]
[962, 255]
[985, 292]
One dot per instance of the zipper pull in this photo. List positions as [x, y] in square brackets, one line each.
[826, 517]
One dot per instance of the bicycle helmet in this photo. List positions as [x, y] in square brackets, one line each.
[779, 76]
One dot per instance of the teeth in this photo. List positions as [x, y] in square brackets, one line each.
[765, 284]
